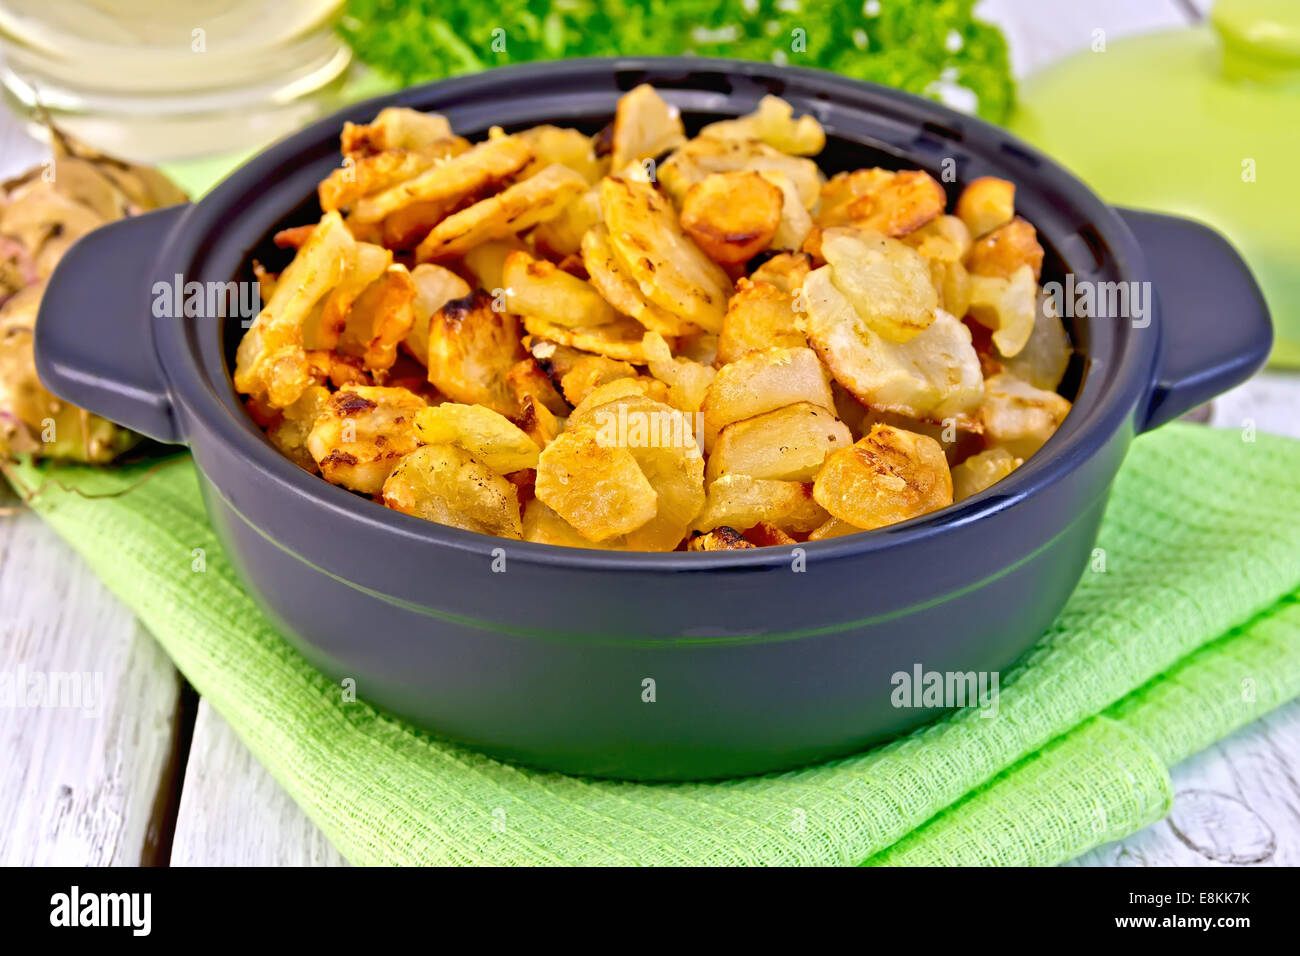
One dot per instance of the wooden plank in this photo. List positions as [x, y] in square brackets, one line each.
[233, 813]
[88, 713]
[1236, 804]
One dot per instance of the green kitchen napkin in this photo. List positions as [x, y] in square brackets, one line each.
[1191, 630]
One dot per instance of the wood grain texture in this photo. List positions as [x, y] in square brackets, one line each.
[233, 813]
[84, 767]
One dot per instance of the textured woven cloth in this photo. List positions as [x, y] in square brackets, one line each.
[1192, 630]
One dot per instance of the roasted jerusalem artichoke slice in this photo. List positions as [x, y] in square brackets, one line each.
[1007, 306]
[434, 288]
[513, 210]
[450, 182]
[763, 381]
[617, 287]
[472, 348]
[271, 362]
[487, 435]
[362, 433]
[394, 127]
[703, 155]
[985, 204]
[788, 444]
[538, 287]
[645, 126]
[600, 490]
[773, 123]
[544, 526]
[934, 376]
[380, 318]
[759, 315]
[740, 501]
[1004, 250]
[982, 471]
[878, 200]
[733, 215]
[888, 476]
[1019, 417]
[654, 251]
[446, 484]
[887, 282]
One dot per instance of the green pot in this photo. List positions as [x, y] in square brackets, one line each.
[1201, 122]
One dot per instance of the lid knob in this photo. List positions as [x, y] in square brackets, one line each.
[1261, 38]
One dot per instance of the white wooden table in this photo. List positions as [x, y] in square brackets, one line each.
[149, 774]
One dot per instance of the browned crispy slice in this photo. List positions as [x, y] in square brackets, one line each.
[517, 208]
[472, 347]
[451, 180]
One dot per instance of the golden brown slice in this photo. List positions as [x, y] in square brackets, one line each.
[878, 200]
[380, 318]
[527, 378]
[723, 539]
[271, 362]
[568, 147]
[795, 223]
[544, 526]
[487, 435]
[445, 484]
[703, 155]
[619, 389]
[1019, 417]
[668, 268]
[452, 181]
[368, 175]
[434, 288]
[394, 127]
[945, 239]
[620, 339]
[614, 284]
[740, 501]
[886, 477]
[952, 285]
[785, 270]
[324, 325]
[361, 433]
[1046, 356]
[538, 287]
[773, 123]
[599, 490]
[759, 315]
[290, 433]
[934, 376]
[886, 282]
[982, 471]
[645, 126]
[763, 381]
[513, 210]
[732, 215]
[1004, 250]
[471, 349]
[538, 422]
[486, 262]
[688, 381]
[1007, 306]
[788, 444]
[985, 204]
[589, 373]
[562, 235]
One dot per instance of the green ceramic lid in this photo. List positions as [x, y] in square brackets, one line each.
[1201, 122]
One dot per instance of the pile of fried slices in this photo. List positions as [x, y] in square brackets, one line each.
[640, 341]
